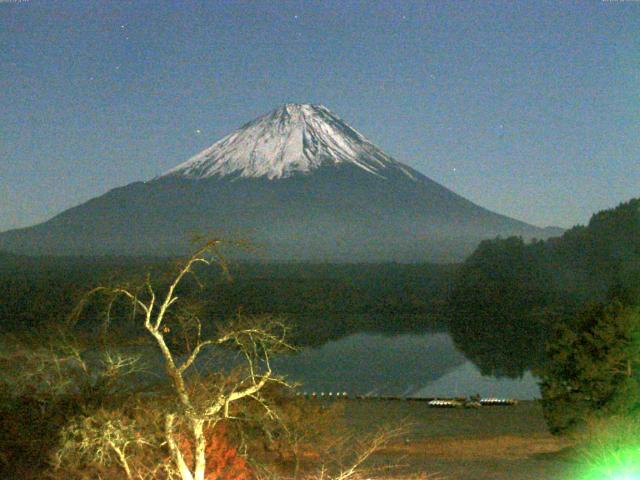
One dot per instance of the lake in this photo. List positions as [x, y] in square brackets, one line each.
[412, 364]
[408, 365]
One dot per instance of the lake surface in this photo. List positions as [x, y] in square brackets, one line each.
[419, 365]
[409, 365]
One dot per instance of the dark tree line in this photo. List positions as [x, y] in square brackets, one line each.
[509, 294]
[322, 301]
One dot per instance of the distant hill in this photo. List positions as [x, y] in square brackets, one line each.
[508, 294]
[300, 183]
[602, 257]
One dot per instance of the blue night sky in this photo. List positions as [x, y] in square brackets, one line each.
[531, 108]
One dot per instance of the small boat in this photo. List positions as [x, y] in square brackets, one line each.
[446, 403]
[490, 402]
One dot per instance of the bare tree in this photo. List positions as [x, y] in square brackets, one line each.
[52, 363]
[256, 339]
[193, 406]
[101, 438]
[351, 453]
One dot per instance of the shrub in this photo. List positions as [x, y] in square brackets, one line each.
[223, 459]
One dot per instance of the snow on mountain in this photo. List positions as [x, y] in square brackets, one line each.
[295, 138]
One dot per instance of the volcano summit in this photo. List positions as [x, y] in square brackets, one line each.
[292, 139]
[299, 183]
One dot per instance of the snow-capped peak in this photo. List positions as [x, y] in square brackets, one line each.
[293, 138]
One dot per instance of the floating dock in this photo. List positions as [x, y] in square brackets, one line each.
[456, 402]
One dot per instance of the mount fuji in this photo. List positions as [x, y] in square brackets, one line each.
[299, 183]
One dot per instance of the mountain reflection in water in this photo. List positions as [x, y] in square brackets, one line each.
[412, 365]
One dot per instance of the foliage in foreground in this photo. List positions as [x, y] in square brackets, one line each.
[593, 368]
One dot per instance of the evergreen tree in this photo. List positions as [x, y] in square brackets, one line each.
[593, 367]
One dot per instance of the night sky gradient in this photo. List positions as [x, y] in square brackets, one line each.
[531, 108]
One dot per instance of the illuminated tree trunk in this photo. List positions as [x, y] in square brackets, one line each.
[201, 444]
[176, 454]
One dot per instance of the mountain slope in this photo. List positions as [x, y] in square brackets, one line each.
[299, 182]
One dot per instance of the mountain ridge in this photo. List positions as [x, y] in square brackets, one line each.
[326, 194]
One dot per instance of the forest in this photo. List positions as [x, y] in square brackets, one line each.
[509, 296]
[320, 301]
